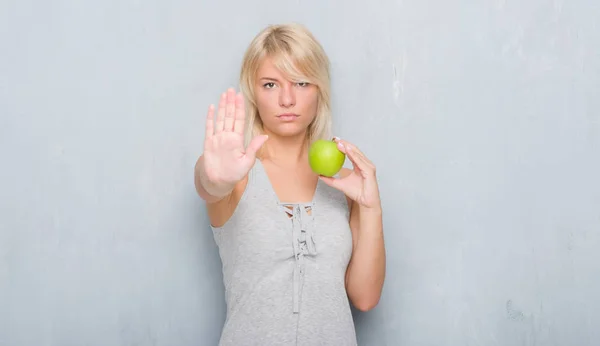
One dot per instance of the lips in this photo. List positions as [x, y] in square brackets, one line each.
[288, 117]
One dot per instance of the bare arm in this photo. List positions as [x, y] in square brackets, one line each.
[209, 191]
[366, 271]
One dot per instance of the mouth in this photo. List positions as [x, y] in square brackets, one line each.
[288, 116]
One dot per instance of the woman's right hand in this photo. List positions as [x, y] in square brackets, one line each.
[226, 160]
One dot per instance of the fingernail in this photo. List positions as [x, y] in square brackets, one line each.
[335, 138]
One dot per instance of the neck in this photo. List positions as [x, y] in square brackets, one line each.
[286, 151]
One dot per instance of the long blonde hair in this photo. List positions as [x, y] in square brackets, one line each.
[299, 56]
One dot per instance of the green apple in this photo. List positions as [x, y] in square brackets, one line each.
[325, 158]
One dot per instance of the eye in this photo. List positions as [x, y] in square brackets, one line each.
[269, 85]
[303, 84]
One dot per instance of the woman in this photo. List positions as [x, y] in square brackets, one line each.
[294, 245]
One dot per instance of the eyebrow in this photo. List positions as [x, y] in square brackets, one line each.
[269, 78]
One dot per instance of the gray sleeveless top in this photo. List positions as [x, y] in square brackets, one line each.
[284, 268]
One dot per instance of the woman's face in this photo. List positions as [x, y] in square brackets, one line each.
[286, 108]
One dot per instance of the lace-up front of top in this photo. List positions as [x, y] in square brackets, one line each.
[304, 244]
[284, 268]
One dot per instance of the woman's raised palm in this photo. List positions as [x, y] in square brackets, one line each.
[226, 160]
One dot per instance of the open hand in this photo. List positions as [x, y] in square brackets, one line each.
[226, 159]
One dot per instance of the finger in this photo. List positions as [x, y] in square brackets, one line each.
[357, 160]
[240, 114]
[344, 148]
[362, 155]
[255, 145]
[230, 110]
[333, 182]
[340, 144]
[357, 153]
[221, 113]
[210, 121]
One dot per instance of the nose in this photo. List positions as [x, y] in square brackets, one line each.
[287, 96]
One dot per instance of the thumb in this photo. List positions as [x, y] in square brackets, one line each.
[255, 145]
[333, 182]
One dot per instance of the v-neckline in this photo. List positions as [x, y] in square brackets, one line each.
[276, 197]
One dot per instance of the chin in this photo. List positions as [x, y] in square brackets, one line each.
[289, 130]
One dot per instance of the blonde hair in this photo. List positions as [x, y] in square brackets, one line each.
[299, 56]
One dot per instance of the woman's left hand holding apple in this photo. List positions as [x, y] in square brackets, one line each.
[360, 184]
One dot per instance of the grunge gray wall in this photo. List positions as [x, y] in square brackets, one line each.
[482, 118]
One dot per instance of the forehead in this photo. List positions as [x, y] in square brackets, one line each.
[267, 68]
[279, 67]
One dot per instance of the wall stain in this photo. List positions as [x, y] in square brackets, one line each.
[512, 313]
